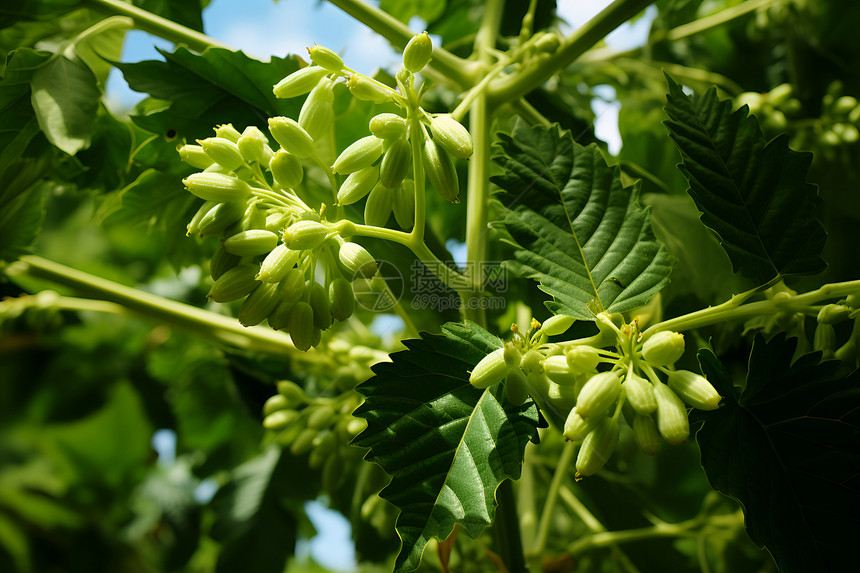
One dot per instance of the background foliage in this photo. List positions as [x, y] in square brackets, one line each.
[84, 386]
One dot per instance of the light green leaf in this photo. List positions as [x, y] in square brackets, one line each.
[446, 445]
[256, 529]
[65, 97]
[753, 194]
[579, 231]
[404, 10]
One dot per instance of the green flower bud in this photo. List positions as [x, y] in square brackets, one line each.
[220, 217]
[452, 136]
[404, 204]
[317, 113]
[363, 88]
[395, 163]
[301, 325]
[341, 299]
[221, 262]
[254, 218]
[645, 434]
[304, 235]
[844, 105]
[357, 260]
[223, 152]
[417, 52]
[576, 427]
[378, 207]
[287, 169]
[259, 304]
[253, 148]
[357, 185]
[490, 370]
[194, 156]
[559, 371]
[318, 299]
[323, 447]
[694, 389]
[561, 396]
[363, 153]
[664, 348]
[275, 403]
[227, 131]
[251, 243]
[234, 283]
[388, 126]
[582, 358]
[280, 419]
[217, 187]
[194, 224]
[320, 417]
[277, 264]
[325, 58]
[833, 313]
[304, 442]
[516, 389]
[300, 82]
[291, 136]
[598, 394]
[557, 324]
[292, 393]
[672, 418]
[440, 169]
[640, 394]
[597, 447]
[513, 357]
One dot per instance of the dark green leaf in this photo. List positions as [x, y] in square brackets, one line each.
[12, 12]
[446, 445]
[66, 97]
[209, 89]
[788, 447]
[580, 232]
[752, 193]
[185, 12]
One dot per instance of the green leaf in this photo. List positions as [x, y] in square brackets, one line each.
[102, 43]
[13, 12]
[788, 447]
[404, 10]
[753, 194]
[257, 531]
[446, 445]
[208, 89]
[579, 231]
[22, 201]
[65, 97]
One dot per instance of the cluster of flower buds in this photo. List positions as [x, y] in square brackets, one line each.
[379, 165]
[320, 427]
[590, 386]
[271, 242]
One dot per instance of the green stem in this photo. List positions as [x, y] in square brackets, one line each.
[684, 528]
[223, 329]
[453, 279]
[416, 139]
[154, 24]
[530, 113]
[593, 524]
[517, 85]
[717, 19]
[448, 66]
[506, 529]
[733, 309]
[558, 477]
